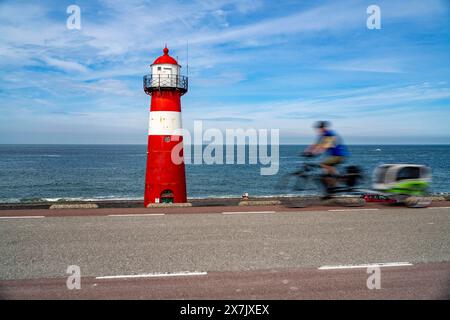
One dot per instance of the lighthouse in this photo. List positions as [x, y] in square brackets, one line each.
[165, 179]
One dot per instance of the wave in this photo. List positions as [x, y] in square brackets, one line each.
[124, 198]
[229, 196]
[69, 199]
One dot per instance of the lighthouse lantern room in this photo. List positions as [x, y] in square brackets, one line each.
[165, 179]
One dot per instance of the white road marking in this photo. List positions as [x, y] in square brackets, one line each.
[245, 212]
[23, 217]
[336, 210]
[136, 215]
[439, 208]
[155, 275]
[360, 266]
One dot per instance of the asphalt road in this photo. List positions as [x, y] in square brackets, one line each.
[422, 281]
[231, 248]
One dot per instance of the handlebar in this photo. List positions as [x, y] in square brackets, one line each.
[307, 154]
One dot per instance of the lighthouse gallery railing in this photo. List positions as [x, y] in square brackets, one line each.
[154, 82]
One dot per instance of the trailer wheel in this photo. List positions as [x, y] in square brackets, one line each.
[350, 201]
[417, 202]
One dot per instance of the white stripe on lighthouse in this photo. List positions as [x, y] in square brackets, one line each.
[164, 123]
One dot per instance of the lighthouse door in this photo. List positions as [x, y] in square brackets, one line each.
[167, 196]
[167, 74]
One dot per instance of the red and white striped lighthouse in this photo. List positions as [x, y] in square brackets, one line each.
[165, 179]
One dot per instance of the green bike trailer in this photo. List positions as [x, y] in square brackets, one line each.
[404, 182]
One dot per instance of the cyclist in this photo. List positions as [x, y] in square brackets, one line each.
[329, 142]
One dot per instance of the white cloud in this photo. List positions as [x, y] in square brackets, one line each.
[386, 104]
[381, 65]
[118, 41]
[65, 65]
[108, 86]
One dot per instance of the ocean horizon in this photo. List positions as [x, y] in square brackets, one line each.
[89, 172]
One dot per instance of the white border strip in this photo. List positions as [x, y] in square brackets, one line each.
[23, 217]
[245, 212]
[164, 123]
[361, 266]
[155, 275]
[338, 210]
[137, 215]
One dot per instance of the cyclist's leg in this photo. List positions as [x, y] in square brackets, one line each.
[329, 166]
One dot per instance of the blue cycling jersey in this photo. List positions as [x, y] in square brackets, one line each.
[338, 149]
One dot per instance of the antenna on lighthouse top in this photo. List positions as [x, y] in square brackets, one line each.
[187, 58]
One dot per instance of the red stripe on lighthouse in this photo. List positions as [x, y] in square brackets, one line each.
[166, 101]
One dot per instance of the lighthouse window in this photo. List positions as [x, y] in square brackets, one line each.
[408, 173]
[159, 68]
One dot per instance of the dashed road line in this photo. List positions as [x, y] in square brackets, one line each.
[155, 275]
[338, 210]
[245, 212]
[137, 215]
[361, 266]
[23, 217]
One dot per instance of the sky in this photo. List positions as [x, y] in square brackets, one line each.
[252, 64]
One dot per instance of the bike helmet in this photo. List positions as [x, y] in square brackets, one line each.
[321, 124]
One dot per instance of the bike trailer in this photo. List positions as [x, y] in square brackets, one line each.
[402, 179]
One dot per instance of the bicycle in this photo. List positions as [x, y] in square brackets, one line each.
[310, 178]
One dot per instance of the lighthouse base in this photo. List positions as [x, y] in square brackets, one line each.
[169, 205]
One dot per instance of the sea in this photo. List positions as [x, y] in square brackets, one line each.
[34, 173]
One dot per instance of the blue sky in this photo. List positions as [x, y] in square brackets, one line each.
[252, 64]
